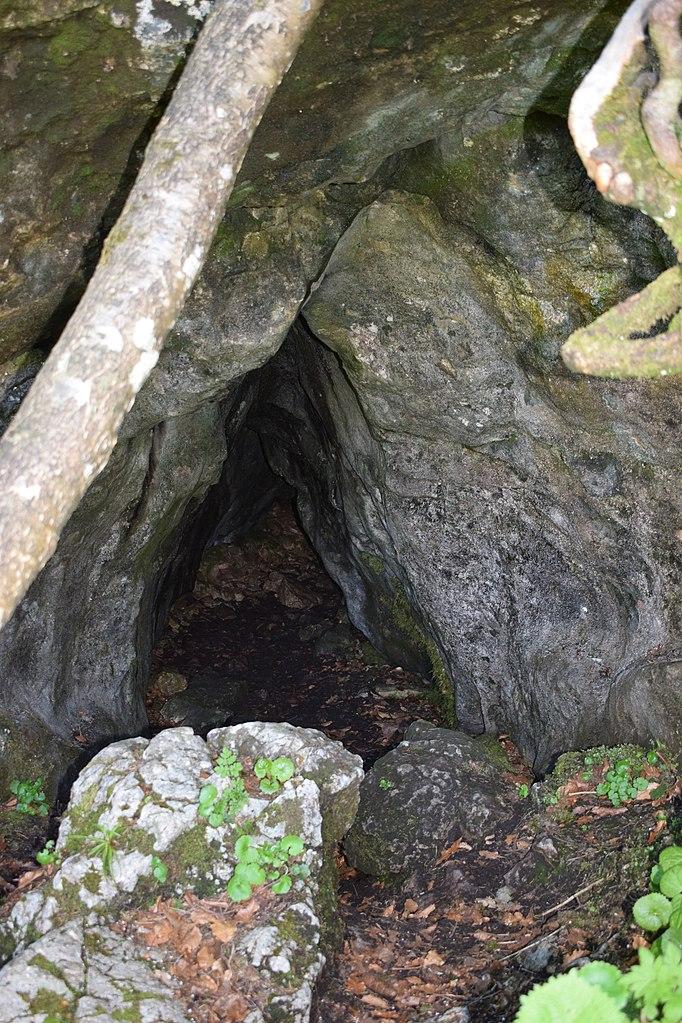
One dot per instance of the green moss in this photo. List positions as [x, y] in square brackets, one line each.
[403, 618]
[192, 852]
[52, 1004]
[131, 1014]
[44, 964]
[495, 751]
[372, 561]
[74, 39]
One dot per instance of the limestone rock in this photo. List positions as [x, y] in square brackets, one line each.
[144, 795]
[436, 786]
[86, 973]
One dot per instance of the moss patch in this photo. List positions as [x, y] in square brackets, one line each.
[404, 619]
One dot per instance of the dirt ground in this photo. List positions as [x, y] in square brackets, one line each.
[264, 637]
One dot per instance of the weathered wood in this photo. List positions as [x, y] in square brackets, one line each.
[66, 429]
[625, 123]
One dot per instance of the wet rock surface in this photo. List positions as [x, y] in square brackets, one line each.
[436, 786]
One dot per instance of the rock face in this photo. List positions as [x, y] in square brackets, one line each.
[511, 526]
[495, 521]
[86, 974]
[143, 798]
[436, 786]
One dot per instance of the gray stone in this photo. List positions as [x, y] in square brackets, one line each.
[436, 786]
[86, 974]
[494, 522]
[148, 791]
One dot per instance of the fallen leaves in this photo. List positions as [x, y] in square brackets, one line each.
[197, 938]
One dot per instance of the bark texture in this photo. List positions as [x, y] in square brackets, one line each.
[625, 121]
[147, 269]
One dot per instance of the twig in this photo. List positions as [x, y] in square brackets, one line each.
[576, 895]
[530, 944]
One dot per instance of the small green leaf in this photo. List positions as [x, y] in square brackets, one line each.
[207, 795]
[269, 785]
[159, 869]
[292, 845]
[239, 890]
[652, 911]
[282, 769]
[250, 872]
[671, 880]
[261, 767]
[608, 978]
[242, 845]
[282, 886]
[672, 936]
[568, 999]
[670, 857]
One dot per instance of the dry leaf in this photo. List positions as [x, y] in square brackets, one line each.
[223, 930]
[374, 1000]
[432, 959]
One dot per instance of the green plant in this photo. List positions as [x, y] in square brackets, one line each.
[649, 991]
[217, 807]
[30, 797]
[619, 784]
[259, 864]
[102, 844]
[385, 783]
[661, 910]
[273, 773]
[159, 869]
[227, 765]
[523, 791]
[48, 855]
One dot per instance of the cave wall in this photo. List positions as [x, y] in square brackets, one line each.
[425, 147]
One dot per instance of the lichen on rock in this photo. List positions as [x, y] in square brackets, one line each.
[143, 797]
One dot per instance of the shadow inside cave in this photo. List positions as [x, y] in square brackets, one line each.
[264, 636]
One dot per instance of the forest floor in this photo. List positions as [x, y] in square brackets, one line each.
[264, 637]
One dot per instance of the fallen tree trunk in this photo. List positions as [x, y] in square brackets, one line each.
[66, 428]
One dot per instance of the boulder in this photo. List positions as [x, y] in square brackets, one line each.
[436, 786]
[132, 833]
[87, 973]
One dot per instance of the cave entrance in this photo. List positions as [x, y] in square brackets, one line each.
[264, 635]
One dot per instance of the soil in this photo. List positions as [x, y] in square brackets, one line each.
[264, 636]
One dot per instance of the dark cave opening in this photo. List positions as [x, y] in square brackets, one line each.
[263, 614]
[264, 635]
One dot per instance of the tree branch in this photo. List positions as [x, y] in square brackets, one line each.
[625, 123]
[66, 428]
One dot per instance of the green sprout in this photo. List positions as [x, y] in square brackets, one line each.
[101, 844]
[48, 855]
[30, 797]
[268, 863]
[619, 785]
[159, 869]
[217, 807]
[273, 773]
